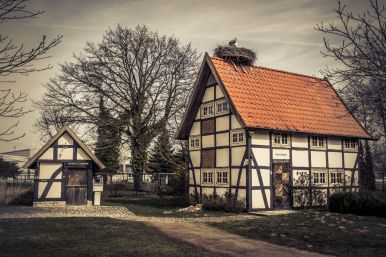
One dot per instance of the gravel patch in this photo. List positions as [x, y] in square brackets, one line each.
[7, 212]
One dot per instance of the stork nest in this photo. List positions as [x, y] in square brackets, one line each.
[238, 55]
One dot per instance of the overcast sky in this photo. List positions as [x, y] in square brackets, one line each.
[280, 31]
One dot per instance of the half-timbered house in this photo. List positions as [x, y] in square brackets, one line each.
[253, 131]
[65, 171]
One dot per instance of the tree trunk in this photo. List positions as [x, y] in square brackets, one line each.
[139, 146]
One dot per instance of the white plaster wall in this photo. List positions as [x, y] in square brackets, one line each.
[197, 172]
[348, 175]
[222, 139]
[235, 173]
[198, 115]
[300, 158]
[260, 138]
[335, 160]
[195, 157]
[318, 159]
[258, 200]
[262, 156]
[219, 93]
[191, 180]
[222, 123]
[47, 169]
[195, 130]
[349, 160]
[235, 122]
[241, 194]
[65, 139]
[221, 191]
[209, 95]
[82, 155]
[207, 191]
[65, 154]
[207, 141]
[299, 140]
[237, 155]
[47, 155]
[54, 192]
[334, 143]
[265, 175]
[222, 157]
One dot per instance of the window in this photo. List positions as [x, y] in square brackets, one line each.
[207, 177]
[319, 177]
[222, 106]
[317, 141]
[207, 110]
[336, 177]
[222, 177]
[238, 137]
[350, 143]
[280, 139]
[194, 142]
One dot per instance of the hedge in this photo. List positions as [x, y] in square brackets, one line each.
[362, 203]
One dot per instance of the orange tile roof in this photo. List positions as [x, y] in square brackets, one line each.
[278, 100]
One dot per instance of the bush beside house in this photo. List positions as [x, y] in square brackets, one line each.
[361, 203]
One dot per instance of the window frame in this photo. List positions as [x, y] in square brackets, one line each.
[281, 136]
[350, 144]
[222, 102]
[316, 176]
[335, 172]
[207, 105]
[320, 142]
[223, 171]
[196, 139]
[240, 137]
[203, 177]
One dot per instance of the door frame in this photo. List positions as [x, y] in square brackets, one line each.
[273, 194]
[69, 166]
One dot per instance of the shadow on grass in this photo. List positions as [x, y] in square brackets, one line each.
[320, 231]
[86, 237]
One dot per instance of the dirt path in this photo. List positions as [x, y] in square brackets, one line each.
[220, 242]
[193, 231]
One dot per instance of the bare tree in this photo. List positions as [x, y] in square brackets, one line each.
[358, 43]
[145, 80]
[15, 59]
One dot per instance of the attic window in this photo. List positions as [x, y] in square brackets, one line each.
[222, 107]
[194, 143]
[280, 139]
[317, 141]
[350, 143]
[207, 110]
[237, 137]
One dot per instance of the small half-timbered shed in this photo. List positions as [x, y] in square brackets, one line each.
[254, 131]
[64, 171]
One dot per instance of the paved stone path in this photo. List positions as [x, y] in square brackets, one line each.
[192, 231]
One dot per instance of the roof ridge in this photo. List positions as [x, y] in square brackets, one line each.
[276, 70]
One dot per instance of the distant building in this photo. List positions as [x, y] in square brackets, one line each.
[20, 157]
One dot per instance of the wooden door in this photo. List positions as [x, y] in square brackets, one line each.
[281, 186]
[76, 187]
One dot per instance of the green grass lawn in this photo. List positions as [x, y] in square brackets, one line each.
[330, 233]
[150, 205]
[55, 237]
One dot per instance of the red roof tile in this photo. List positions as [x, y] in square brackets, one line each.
[272, 99]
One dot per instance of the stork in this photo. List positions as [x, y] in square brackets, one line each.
[233, 42]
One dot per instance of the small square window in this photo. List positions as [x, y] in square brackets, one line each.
[222, 177]
[207, 177]
[280, 139]
[319, 177]
[350, 143]
[238, 137]
[194, 142]
[207, 110]
[336, 177]
[317, 141]
[222, 106]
